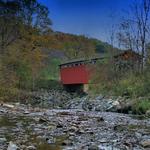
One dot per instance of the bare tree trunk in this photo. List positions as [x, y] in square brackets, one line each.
[135, 30]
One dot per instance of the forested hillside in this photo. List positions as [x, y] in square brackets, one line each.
[30, 51]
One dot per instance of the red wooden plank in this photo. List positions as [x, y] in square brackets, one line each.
[74, 75]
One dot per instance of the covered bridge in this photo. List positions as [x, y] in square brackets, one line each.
[75, 74]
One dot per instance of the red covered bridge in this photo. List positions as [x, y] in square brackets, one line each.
[76, 74]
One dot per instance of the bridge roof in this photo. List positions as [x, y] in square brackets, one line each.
[81, 60]
[87, 60]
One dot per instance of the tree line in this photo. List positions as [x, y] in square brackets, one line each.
[25, 36]
[133, 31]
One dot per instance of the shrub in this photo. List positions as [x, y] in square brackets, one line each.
[48, 84]
[127, 85]
[8, 94]
[141, 106]
[134, 85]
[102, 78]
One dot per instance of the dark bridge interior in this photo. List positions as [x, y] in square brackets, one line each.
[74, 87]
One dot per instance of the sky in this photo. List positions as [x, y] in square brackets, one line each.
[92, 18]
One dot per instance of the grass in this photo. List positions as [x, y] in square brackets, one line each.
[141, 106]
[129, 84]
[51, 71]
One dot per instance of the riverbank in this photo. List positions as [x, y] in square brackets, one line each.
[31, 128]
[60, 99]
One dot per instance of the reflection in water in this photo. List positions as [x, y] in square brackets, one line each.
[10, 123]
[5, 121]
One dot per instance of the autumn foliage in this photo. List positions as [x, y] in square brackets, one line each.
[26, 40]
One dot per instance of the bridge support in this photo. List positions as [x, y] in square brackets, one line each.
[85, 88]
[80, 88]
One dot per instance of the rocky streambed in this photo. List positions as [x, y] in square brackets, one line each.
[27, 128]
[55, 99]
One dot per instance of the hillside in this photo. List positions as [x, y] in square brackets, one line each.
[76, 46]
[62, 47]
[30, 51]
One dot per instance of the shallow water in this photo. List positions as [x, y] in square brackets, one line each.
[10, 124]
[58, 129]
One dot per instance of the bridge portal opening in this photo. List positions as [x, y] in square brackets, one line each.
[74, 88]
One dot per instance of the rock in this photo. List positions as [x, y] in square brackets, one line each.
[17, 104]
[138, 135]
[100, 97]
[99, 119]
[8, 105]
[12, 146]
[66, 143]
[148, 113]
[51, 140]
[73, 129]
[42, 120]
[98, 108]
[3, 110]
[93, 147]
[31, 148]
[114, 106]
[117, 104]
[59, 125]
[23, 147]
[146, 143]
[51, 127]
[90, 107]
[106, 148]
[72, 134]
[3, 140]
[26, 112]
[80, 131]
[40, 138]
[103, 141]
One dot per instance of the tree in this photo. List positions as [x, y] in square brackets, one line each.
[23, 23]
[142, 16]
[134, 31]
[36, 15]
[9, 23]
[18, 15]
